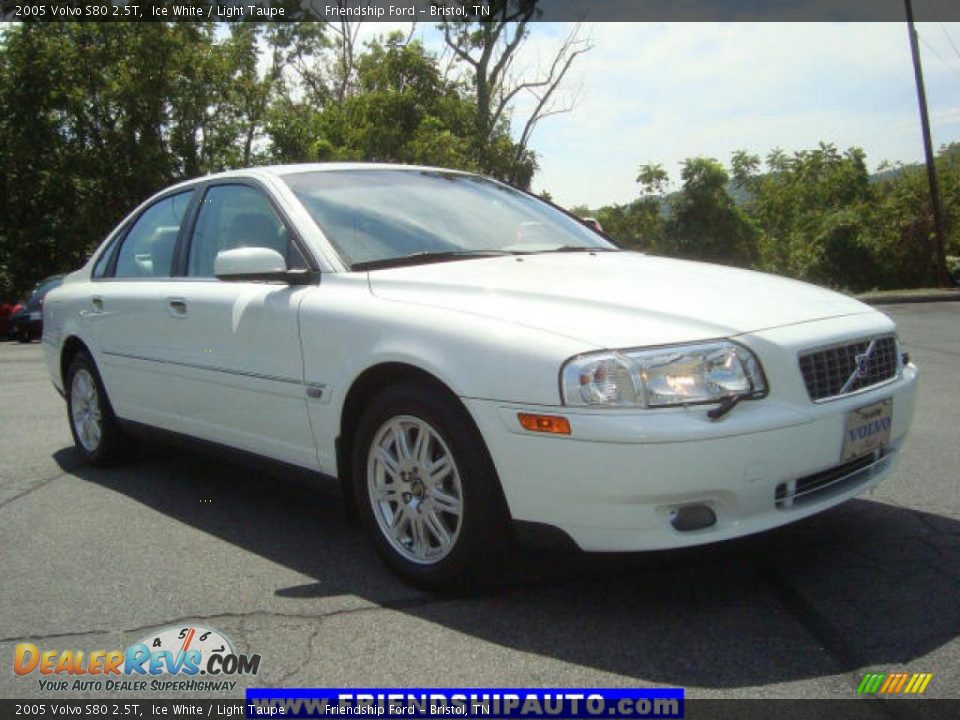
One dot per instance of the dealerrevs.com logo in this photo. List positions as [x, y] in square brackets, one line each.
[183, 652]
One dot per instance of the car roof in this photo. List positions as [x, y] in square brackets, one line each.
[332, 167]
[296, 168]
[292, 168]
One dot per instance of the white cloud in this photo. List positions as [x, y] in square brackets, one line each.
[661, 93]
[665, 92]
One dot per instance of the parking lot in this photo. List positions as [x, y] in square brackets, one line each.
[97, 559]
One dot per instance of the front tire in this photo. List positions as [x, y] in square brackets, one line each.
[94, 426]
[426, 489]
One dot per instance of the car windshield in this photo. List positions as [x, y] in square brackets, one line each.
[381, 217]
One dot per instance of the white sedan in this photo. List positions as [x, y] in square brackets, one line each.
[474, 365]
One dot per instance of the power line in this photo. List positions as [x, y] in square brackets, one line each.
[942, 27]
[939, 57]
[949, 39]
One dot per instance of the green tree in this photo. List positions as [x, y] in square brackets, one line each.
[704, 222]
[810, 212]
[98, 116]
[653, 179]
[631, 225]
[403, 110]
[901, 221]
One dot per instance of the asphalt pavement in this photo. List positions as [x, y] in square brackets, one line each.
[95, 559]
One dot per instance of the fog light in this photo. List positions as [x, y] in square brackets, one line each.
[692, 517]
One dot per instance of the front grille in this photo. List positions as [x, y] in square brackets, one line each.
[827, 372]
[833, 481]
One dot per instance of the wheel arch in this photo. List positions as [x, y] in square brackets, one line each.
[363, 390]
[71, 346]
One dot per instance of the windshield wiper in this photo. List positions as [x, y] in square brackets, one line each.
[726, 405]
[425, 257]
[574, 248]
[731, 401]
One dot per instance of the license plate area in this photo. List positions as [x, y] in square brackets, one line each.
[867, 429]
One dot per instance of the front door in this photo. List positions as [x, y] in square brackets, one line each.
[237, 344]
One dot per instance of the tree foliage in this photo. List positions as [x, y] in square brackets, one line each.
[704, 222]
[402, 110]
[816, 215]
[94, 118]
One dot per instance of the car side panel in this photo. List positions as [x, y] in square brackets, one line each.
[346, 330]
[128, 328]
[119, 336]
[236, 352]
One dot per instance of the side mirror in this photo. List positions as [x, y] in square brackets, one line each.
[250, 263]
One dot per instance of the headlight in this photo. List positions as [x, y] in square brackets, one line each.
[661, 377]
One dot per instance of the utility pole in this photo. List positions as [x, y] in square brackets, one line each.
[939, 241]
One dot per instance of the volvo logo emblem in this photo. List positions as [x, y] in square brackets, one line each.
[862, 368]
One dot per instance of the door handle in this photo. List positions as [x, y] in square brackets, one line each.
[95, 310]
[177, 307]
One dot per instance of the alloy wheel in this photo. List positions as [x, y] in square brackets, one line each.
[85, 410]
[415, 489]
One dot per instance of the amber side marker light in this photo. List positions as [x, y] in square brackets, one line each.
[544, 423]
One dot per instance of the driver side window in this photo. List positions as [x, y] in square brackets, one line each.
[147, 250]
[237, 216]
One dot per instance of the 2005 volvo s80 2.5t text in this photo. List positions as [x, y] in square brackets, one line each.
[474, 364]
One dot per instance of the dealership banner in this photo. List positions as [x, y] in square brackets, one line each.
[469, 703]
[433, 11]
[694, 709]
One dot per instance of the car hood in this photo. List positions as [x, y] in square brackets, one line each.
[614, 299]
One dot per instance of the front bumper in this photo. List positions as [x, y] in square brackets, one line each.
[616, 481]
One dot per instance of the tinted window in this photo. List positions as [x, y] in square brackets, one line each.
[147, 251]
[237, 216]
[102, 267]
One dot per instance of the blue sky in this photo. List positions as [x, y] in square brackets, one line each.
[664, 92]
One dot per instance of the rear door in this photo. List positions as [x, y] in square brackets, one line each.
[126, 318]
[237, 344]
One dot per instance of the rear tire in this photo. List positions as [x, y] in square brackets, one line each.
[92, 422]
[427, 491]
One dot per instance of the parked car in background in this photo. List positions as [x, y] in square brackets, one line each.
[593, 223]
[6, 310]
[26, 320]
[475, 365]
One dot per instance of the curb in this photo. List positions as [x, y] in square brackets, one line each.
[941, 296]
